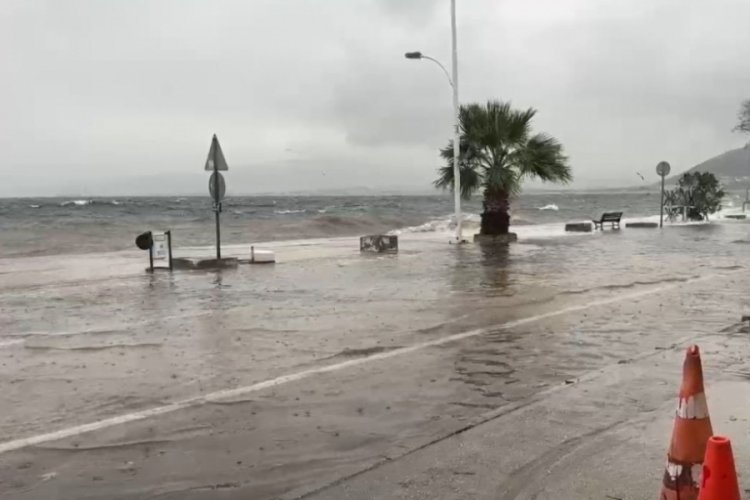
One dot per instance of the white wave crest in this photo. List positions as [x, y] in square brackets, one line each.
[443, 225]
[83, 203]
[77, 203]
[551, 206]
[286, 212]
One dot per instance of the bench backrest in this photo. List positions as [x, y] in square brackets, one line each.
[611, 217]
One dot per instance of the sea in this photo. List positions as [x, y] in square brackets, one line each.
[78, 225]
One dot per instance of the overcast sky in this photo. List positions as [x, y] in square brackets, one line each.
[124, 95]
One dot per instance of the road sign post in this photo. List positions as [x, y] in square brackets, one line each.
[169, 246]
[662, 169]
[217, 188]
[217, 211]
[216, 185]
[159, 246]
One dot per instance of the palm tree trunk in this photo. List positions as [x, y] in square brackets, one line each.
[496, 215]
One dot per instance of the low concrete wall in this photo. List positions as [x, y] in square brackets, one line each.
[210, 264]
[579, 227]
[183, 264]
[642, 224]
[499, 238]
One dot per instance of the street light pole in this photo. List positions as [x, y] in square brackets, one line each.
[457, 128]
[453, 81]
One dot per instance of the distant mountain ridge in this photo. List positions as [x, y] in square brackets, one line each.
[732, 167]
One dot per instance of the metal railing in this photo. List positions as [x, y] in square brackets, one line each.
[671, 209]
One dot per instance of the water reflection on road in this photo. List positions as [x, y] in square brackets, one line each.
[538, 313]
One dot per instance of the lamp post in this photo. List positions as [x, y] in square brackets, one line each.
[453, 81]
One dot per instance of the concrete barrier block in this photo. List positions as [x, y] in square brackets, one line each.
[379, 243]
[183, 264]
[259, 256]
[642, 225]
[213, 264]
[579, 227]
[496, 238]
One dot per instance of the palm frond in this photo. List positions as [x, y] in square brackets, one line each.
[519, 126]
[497, 151]
[542, 158]
[505, 180]
[466, 152]
[471, 180]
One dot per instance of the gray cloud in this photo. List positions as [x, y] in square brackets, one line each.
[419, 13]
[97, 92]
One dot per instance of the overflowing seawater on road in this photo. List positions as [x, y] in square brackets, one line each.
[444, 333]
[52, 268]
[52, 226]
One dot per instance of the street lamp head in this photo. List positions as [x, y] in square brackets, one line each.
[413, 55]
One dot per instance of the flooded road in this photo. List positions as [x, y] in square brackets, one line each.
[273, 382]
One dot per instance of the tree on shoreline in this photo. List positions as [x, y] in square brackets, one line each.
[497, 153]
[743, 118]
[699, 191]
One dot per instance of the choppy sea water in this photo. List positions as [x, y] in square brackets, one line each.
[51, 226]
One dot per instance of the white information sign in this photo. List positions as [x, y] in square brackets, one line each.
[160, 246]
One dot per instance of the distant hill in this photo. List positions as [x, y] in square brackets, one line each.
[732, 168]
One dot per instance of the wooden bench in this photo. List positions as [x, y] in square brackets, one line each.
[608, 218]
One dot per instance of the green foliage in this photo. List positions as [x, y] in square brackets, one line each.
[498, 151]
[700, 191]
[743, 117]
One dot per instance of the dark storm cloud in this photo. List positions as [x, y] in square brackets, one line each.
[96, 92]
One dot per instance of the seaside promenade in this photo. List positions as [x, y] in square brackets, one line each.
[544, 369]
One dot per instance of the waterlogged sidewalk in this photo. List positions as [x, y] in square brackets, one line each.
[604, 436]
[545, 369]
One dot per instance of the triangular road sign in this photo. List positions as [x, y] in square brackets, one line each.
[215, 155]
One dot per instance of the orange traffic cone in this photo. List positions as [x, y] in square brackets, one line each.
[719, 480]
[692, 428]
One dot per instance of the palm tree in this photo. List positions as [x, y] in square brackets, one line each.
[497, 153]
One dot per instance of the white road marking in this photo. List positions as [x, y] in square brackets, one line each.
[9, 343]
[18, 444]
